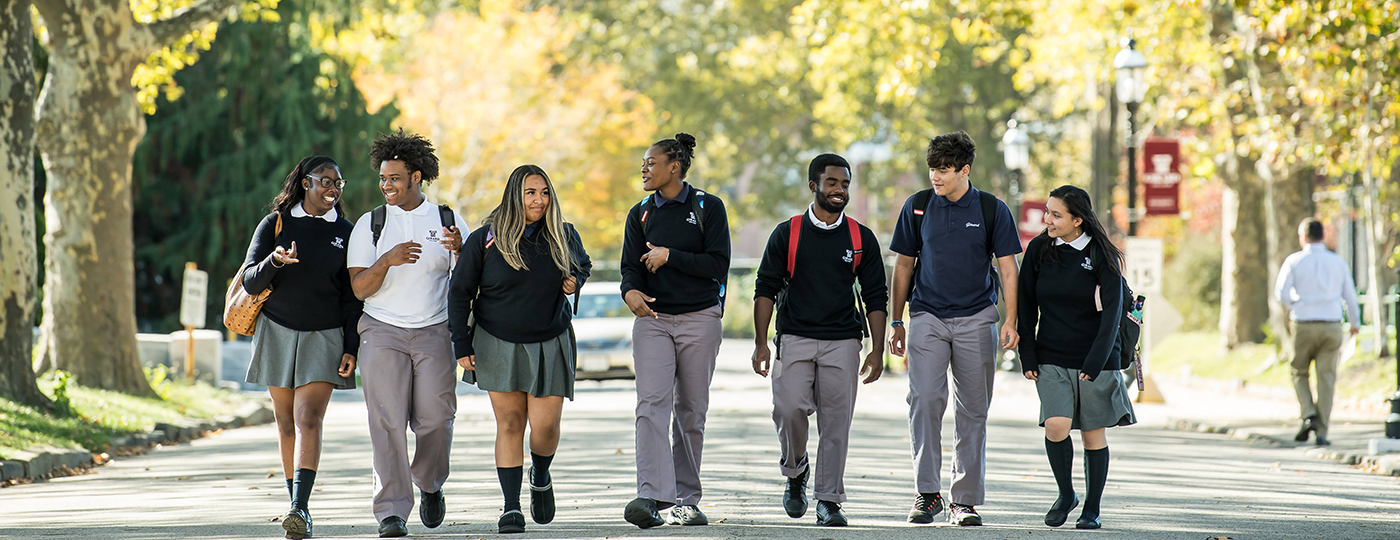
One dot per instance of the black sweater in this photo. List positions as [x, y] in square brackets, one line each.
[698, 265]
[819, 303]
[313, 294]
[519, 306]
[1073, 333]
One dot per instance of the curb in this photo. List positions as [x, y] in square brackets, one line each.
[1383, 464]
[42, 463]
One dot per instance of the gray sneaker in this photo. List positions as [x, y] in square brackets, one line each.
[687, 514]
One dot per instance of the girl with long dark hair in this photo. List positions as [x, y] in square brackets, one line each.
[1071, 284]
[305, 342]
[515, 275]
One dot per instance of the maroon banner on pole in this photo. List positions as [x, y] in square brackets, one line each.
[1161, 178]
[1031, 221]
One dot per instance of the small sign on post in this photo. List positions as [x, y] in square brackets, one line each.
[193, 309]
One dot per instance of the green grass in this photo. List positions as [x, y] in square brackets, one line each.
[103, 415]
[1200, 354]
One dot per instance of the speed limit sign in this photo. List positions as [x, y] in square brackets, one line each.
[1144, 264]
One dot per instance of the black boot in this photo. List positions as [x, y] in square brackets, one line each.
[1095, 476]
[1061, 455]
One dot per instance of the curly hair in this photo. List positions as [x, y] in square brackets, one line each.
[681, 148]
[415, 151]
[954, 150]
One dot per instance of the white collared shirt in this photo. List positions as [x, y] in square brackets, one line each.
[1078, 243]
[300, 211]
[1314, 284]
[413, 295]
[812, 214]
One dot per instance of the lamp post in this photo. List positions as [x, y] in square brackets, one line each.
[1131, 86]
[1016, 152]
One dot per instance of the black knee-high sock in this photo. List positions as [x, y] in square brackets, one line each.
[1095, 476]
[1061, 455]
[510, 485]
[540, 464]
[302, 482]
[291, 492]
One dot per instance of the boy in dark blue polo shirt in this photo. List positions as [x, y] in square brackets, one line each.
[953, 326]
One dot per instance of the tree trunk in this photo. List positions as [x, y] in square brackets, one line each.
[1288, 201]
[18, 264]
[1243, 296]
[89, 124]
[1104, 170]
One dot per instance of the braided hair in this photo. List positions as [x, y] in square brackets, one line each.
[293, 192]
[415, 151]
[681, 149]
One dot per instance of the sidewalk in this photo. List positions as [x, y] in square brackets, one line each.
[1268, 415]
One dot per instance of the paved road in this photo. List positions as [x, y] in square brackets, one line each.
[1163, 484]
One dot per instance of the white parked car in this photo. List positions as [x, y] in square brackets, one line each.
[603, 328]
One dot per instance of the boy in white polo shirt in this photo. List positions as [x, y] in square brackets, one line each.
[399, 258]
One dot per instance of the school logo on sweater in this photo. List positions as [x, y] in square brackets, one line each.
[432, 235]
[691, 219]
[1087, 265]
[338, 242]
[850, 257]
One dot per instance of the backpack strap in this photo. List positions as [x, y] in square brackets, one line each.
[921, 200]
[490, 236]
[445, 214]
[794, 236]
[854, 228]
[646, 206]
[989, 218]
[376, 223]
[697, 205]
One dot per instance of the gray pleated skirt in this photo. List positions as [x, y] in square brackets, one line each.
[1091, 405]
[541, 369]
[292, 358]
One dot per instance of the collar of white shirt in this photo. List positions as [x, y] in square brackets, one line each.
[1315, 246]
[422, 210]
[1078, 243]
[299, 211]
[812, 214]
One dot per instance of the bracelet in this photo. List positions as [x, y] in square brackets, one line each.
[897, 323]
[274, 263]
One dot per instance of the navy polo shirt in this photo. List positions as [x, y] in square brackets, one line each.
[954, 278]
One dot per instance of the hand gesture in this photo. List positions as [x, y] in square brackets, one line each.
[570, 285]
[873, 368]
[762, 358]
[1009, 337]
[284, 257]
[1032, 374]
[451, 239]
[405, 253]
[656, 258]
[637, 302]
[347, 365]
[897, 341]
[467, 362]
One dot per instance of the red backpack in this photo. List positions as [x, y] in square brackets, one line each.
[794, 239]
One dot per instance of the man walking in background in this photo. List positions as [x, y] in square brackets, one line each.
[1313, 285]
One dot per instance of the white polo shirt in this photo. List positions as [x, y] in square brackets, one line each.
[413, 295]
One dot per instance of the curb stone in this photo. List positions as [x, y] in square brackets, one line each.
[1384, 464]
[42, 463]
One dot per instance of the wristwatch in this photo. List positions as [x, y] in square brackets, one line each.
[896, 324]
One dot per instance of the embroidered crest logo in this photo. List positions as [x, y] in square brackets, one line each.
[691, 219]
[1087, 265]
[850, 257]
[338, 242]
[432, 235]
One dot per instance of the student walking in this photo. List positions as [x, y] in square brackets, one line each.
[809, 271]
[305, 342]
[1072, 286]
[399, 259]
[1314, 284]
[952, 241]
[675, 260]
[515, 275]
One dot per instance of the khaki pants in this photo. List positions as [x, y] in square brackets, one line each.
[816, 376]
[1316, 342]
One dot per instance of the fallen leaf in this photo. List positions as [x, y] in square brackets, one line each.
[1218, 538]
[276, 519]
[317, 490]
[254, 487]
[619, 451]
[721, 520]
[183, 478]
[270, 475]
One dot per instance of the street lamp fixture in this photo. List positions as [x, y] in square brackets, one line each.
[1131, 83]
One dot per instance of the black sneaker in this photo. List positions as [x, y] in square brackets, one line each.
[432, 507]
[964, 516]
[642, 513]
[297, 523]
[795, 496]
[393, 527]
[925, 508]
[687, 514]
[513, 521]
[541, 501]
[829, 514]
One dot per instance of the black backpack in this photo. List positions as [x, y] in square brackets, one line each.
[697, 207]
[988, 202]
[1130, 327]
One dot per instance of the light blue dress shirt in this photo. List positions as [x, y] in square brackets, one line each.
[1314, 283]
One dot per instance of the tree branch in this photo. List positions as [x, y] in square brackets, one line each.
[166, 31]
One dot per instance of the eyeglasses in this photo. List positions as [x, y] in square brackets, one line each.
[327, 183]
